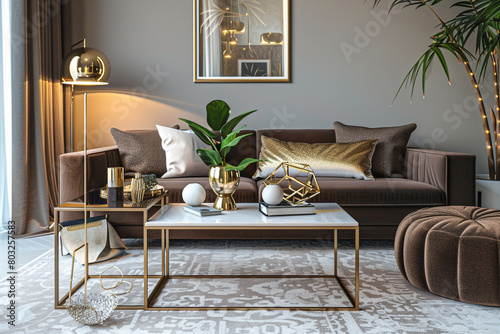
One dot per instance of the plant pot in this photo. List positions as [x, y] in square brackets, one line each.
[488, 192]
[224, 184]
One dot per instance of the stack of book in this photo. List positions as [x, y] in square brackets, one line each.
[202, 210]
[286, 209]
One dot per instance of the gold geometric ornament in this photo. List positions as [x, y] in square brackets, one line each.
[300, 180]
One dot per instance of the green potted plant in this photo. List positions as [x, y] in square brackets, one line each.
[472, 31]
[224, 178]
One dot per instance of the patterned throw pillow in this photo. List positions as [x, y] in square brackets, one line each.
[391, 146]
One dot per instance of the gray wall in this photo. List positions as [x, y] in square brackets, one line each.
[347, 64]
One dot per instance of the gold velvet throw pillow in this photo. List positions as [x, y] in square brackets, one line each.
[332, 159]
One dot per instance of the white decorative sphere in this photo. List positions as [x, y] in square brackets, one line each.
[272, 194]
[194, 194]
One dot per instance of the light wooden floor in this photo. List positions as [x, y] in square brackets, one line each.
[27, 249]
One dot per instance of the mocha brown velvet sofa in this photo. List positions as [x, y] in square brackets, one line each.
[430, 178]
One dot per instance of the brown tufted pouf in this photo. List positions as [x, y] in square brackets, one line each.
[452, 251]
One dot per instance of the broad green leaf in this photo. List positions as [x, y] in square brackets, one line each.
[203, 138]
[244, 164]
[235, 132]
[209, 157]
[203, 133]
[217, 114]
[209, 133]
[224, 149]
[229, 126]
[229, 142]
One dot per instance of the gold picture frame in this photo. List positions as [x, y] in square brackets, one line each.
[228, 31]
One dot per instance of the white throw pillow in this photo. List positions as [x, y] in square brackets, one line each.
[180, 148]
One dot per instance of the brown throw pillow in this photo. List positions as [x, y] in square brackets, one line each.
[391, 146]
[141, 151]
[325, 159]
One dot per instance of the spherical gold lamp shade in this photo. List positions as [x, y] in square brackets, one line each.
[86, 66]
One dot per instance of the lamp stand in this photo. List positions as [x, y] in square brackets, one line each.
[71, 118]
[85, 192]
[85, 67]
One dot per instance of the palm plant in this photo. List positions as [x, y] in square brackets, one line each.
[218, 113]
[480, 21]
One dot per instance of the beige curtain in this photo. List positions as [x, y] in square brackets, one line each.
[38, 135]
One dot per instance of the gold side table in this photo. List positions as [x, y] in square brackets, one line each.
[77, 206]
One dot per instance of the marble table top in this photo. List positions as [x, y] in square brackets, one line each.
[248, 216]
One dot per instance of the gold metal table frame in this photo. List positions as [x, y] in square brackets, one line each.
[150, 299]
[76, 206]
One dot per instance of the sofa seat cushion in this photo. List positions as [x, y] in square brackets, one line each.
[381, 191]
[246, 192]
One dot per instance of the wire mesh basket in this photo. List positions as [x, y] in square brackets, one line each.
[99, 308]
[91, 308]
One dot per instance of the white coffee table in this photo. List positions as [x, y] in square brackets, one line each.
[329, 216]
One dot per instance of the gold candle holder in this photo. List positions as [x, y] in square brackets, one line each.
[137, 189]
[115, 187]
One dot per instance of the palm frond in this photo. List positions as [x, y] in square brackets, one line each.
[215, 15]
[423, 65]
[213, 20]
[405, 3]
[479, 20]
[254, 7]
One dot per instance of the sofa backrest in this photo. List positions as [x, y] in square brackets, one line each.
[297, 135]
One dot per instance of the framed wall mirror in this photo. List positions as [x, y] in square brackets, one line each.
[241, 40]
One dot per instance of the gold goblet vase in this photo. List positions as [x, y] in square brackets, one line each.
[224, 183]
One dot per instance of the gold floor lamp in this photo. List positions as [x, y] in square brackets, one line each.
[84, 67]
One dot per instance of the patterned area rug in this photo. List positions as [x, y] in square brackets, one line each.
[389, 304]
